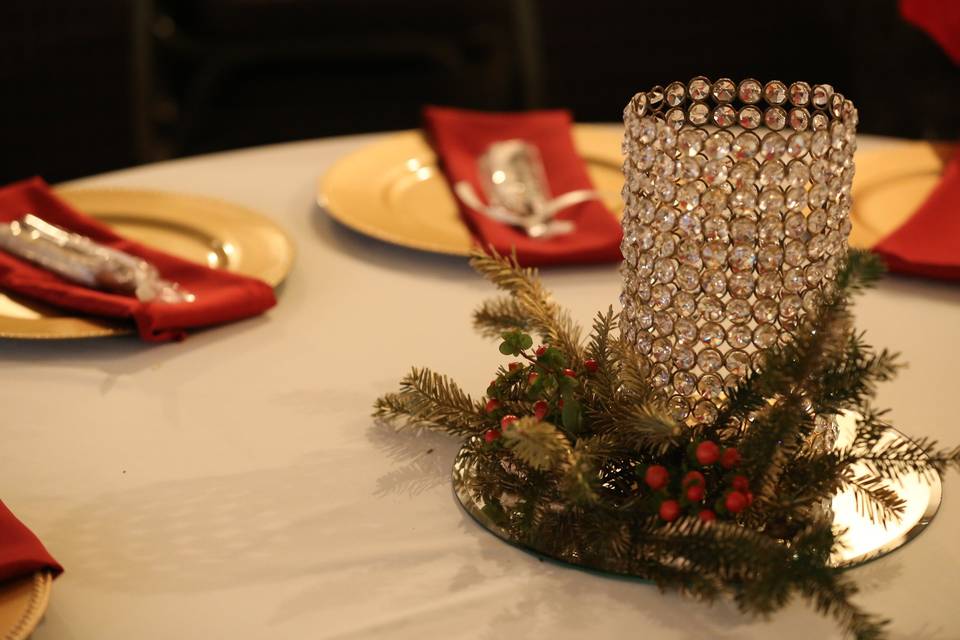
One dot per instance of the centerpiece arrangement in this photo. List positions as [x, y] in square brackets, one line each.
[690, 438]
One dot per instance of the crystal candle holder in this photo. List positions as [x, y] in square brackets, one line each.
[737, 213]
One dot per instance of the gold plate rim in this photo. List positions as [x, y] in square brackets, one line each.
[888, 168]
[226, 221]
[31, 605]
[598, 144]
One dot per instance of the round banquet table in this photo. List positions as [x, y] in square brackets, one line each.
[234, 485]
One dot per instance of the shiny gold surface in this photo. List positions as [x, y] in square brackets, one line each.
[890, 184]
[22, 605]
[862, 541]
[393, 190]
[205, 230]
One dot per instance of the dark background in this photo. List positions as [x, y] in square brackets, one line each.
[88, 86]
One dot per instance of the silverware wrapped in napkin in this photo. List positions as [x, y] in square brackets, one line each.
[79, 259]
[515, 184]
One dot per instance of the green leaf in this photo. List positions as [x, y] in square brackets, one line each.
[525, 341]
[553, 358]
[571, 415]
[535, 390]
[507, 349]
[567, 384]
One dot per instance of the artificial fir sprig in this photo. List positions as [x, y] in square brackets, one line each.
[573, 453]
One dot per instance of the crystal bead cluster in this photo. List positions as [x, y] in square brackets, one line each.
[737, 212]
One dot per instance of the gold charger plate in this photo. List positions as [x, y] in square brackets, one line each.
[205, 230]
[394, 191]
[22, 605]
[890, 184]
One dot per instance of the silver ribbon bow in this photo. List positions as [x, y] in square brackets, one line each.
[516, 188]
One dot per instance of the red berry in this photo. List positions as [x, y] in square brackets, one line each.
[540, 409]
[570, 373]
[490, 435]
[492, 405]
[695, 493]
[560, 403]
[707, 452]
[656, 477]
[735, 502]
[590, 365]
[706, 515]
[508, 420]
[730, 458]
[532, 377]
[693, 478]
[669, 510]
[740, 483]
[542, 349]
[749, 495]
[513, 366]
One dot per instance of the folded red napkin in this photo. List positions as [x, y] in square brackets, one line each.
[928, 244]
[939, 18]
[460, 137]
[21, 553]
[220, 296]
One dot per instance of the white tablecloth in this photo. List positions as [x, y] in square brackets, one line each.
[234, 486]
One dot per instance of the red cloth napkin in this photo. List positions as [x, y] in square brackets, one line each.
[21, 553]
[928, 244]
[460, 137]
[221, 296]
[939, 18]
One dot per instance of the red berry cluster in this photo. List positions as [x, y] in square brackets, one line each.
[691, 490]
[542, 409]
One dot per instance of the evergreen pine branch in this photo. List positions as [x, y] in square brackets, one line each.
[886, 453]
[871, 428]
[726, 550]
[861, 270]
[774, 439]
[767, 570]
[554, 325]
[599, 345]
[496, 316]
[742, 400]
[850, 378]
[622, 405]
[430, 400]
[538, 444]
[826, 588]
[642, 428]
[771, 586]
[633, 371]
[808, 479]
[873, 497]
[604, 382]
[898, 456]
[579, 480]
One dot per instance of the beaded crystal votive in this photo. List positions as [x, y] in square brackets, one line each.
[737, 213]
